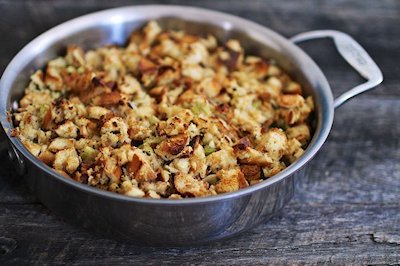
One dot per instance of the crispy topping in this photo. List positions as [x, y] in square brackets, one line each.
[171, 115]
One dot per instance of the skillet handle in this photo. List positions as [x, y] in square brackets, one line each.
[354, 54]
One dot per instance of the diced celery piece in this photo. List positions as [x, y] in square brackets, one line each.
[147, 148]
[208, 150]
[201, 108]
[153, 120]
[88, 154]
[257, 104]
[211, 179]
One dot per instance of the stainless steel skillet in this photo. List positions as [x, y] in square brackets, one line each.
[187, 221]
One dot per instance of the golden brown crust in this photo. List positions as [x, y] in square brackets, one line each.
[251, 172]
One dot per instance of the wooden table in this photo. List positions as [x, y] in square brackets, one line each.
[347, 209]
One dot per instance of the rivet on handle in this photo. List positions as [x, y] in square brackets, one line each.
[17, 160]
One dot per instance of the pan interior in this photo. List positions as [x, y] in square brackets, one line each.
[114, 27]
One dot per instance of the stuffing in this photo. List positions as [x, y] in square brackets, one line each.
[210, 87]
[274, 142]
[251, 172]
[158, 187]
[59, 144]
[300, 132]
[173, 126]
[112, 170]
[186, 184]
[198, 161]
[130, 189]
[294, 150]
[222, 159]
[114, 132]
[47, 157]
[129, 85]
[139, 167]
[75, 56]
[124, 154]
[253, 157]
[230, 180]
[290, 100]
[53, 79]
[34, 148]
[173, 147]
[170, 115]
[67, 160]
[35, 97]
[67, 130]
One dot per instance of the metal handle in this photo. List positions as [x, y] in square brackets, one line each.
[354, 54]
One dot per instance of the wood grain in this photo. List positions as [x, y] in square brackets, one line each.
[347, 206]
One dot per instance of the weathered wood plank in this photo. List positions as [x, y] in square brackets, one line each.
[341, 233]
[360, 160]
